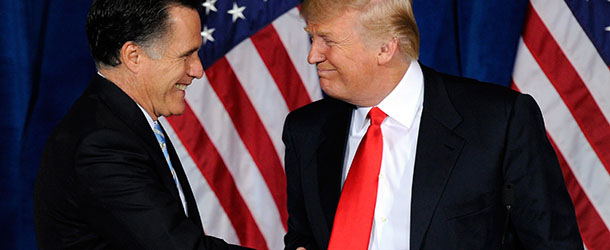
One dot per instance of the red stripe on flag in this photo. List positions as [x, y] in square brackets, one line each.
[559, 70]
[213, 168]
[251, 131]
[594, 232]
[272, 51]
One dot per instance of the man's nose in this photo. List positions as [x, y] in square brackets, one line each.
[195, 69]
[315, 53]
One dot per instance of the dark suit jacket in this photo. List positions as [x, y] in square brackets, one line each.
[105, 184]
[474, 138]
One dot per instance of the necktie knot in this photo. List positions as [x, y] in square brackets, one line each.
[377, 116]
[158, 132]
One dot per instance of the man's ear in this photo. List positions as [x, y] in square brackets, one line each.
[132, 56]
[387, 51]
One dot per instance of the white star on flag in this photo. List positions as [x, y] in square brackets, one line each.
[237, 12]
[207, 34]
[209, 5]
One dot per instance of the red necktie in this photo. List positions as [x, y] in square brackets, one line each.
[354, 216]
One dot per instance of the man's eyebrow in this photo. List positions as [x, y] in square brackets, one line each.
[188, 53]
[319, 33]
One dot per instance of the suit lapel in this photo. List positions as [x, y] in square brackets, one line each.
[128, 111]
[329, 166]
[193, 212]
[438, 148]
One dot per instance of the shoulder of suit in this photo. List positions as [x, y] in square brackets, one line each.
[471, 90]
[322, 108]
[87, 114]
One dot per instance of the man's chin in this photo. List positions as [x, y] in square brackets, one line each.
[177, 109]
[326, 85]
[329, 91]
[342, 96]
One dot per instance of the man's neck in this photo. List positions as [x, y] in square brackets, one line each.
[129, 84]
[390, 75]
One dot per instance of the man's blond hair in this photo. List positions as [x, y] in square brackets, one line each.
[381, 19]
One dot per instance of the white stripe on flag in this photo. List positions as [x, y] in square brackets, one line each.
[261, 89]
[587, 168]
[577, 47]
[219, 127]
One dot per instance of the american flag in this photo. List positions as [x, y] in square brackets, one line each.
[563, 62]
[254, 53]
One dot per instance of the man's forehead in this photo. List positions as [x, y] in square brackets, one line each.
[319, 30]
[324, 26]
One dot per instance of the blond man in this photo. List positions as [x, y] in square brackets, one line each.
[402, 157]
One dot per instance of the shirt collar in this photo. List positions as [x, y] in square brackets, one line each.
[402, 103]
[151, 123]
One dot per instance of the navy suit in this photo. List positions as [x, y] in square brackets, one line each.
[474, 139]
[105, 184]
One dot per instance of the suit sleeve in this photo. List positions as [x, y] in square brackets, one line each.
[127, 203]
[542, 213]
[299, 233]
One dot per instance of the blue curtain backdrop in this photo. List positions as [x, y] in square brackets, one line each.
[45, 64]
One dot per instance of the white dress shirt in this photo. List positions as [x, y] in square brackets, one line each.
[151, 123]
[391, 225]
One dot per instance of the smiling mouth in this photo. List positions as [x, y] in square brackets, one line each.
[322, 71]
[181, 86]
